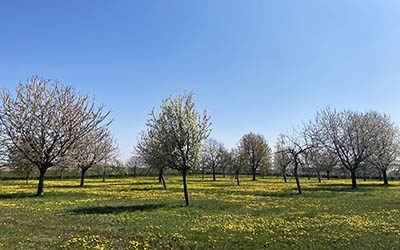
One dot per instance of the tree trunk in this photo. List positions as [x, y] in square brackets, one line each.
[353, 179]
[163, 182]
[285, 178]
[328, 175]
[134, 172]
[41, 181]
[214, 179]
[62, 174]
[297, 179]
[160, 176]
[238, 178]
[319, 176]
[83, 171]
[202, 174]
[385, 177]
[104, 175]
[254, 175]
[185, 188]
[223, 173]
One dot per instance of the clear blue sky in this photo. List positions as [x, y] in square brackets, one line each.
[261, 66]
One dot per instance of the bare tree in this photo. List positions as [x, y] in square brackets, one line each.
[323, 159]
[349, 134]
[91, 150]
[282, 157]
[256, 151]
[226, 161]
[17, 162]
[44, 120]
[297, 145]
[385, 149]
[133, 163]
[152, 152]
[214, 156]
[238, 163]
[182, 129]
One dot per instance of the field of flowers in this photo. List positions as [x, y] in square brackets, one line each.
[137, 213]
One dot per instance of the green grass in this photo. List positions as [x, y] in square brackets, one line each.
[139, 214]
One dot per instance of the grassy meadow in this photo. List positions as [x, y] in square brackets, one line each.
[136, 213]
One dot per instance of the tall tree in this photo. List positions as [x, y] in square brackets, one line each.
[349, 134]
[182, 129]
[385, 149]
[256, 151]
[44, 120]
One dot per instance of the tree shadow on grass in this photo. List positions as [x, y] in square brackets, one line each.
[117, 209]
[143, 183]
[64, 186]
[343, 187]
[16, 196]
[146, 189]
[360, 184]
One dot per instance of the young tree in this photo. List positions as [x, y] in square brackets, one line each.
[91, 150]
[349, 134]
[44, 120]
[238, 163]
[323, 159]
[214, 156]
[297, 145]
[256, 151]
[282, 158]
[133, 163]
[152, 151]
[225, 162]
[182, 129]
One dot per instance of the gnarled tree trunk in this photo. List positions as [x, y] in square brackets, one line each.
[296, 176]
